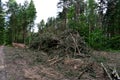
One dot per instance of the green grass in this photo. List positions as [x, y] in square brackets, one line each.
[112, 51]
[100, 59]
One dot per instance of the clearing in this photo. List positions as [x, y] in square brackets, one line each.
[37, 65]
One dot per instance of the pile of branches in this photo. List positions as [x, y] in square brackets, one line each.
[68, 42]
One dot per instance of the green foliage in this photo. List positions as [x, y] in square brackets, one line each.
[41, 25]
[7, 37]
[114, 43]
[31, 12]
[21, 20]
[100, 30]
[2, 24]
[90, 24]
[81, 26]
[1, 35]
[111, 19]
[96, 39]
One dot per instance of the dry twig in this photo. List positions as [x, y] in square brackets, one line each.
[56, 61]
[53, 59]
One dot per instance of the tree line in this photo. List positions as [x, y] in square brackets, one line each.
[16, 20]
[96, 21]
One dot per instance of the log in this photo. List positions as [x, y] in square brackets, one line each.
[104, 68]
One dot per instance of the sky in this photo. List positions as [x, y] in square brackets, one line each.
[45, 8]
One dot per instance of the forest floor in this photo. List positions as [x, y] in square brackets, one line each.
[2, 64]
[21, 64]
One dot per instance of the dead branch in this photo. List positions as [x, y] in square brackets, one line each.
[56, 61]
[75, 42]
[87, 67]
[53, 59]
[106, 71]
[115, 74]
[83, 72]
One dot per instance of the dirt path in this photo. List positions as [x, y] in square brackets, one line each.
[2, 66]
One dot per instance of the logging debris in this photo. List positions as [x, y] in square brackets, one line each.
[66, 43]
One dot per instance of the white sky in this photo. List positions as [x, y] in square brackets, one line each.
[45, 8]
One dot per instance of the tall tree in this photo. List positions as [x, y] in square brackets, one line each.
[111, 18]
[12, 11]
[30, 17]
[41, 25]
[2, 24]
[102, 4]
[91, 14]
[21, 19]
[63, 4]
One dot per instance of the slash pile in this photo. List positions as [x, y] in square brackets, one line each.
[66, 43]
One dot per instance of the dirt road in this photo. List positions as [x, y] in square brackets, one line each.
[2, 65]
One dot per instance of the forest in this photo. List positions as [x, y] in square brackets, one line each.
[96, 21]
[79, 31]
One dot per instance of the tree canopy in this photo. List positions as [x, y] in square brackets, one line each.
[98, 22]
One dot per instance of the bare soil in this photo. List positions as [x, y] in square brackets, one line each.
[2, 65]
[24, 64]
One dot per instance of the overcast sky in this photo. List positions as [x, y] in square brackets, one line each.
[45, 8]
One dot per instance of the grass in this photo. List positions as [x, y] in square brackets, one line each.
[112, 51]
[100, 59]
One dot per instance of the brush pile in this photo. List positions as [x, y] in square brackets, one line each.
[68, 42]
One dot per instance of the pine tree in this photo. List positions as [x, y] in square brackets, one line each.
[2, 24]
[21, 20]
[111, 19]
